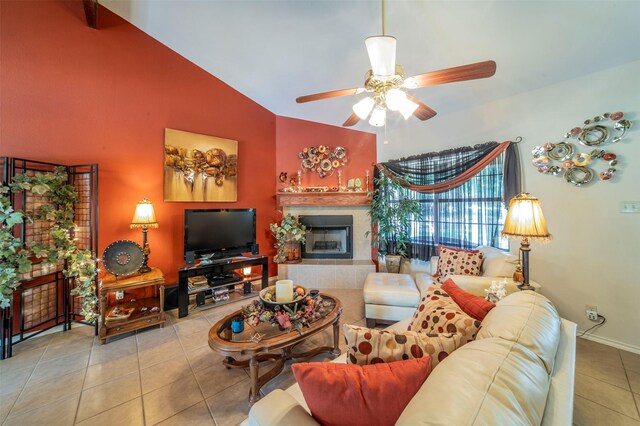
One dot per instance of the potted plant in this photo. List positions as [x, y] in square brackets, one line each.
[390, 220]
[289, 235]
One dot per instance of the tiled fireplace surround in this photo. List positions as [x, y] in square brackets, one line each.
[334, 273]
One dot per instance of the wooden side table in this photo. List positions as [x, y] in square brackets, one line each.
[134, 313]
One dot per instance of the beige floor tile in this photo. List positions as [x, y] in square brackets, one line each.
[129, 414]
[231, 406]
[163, 373]
[49, 370]
[113, 350]
[14, 380]
[38, 393]
[204, 357]
[197, 415]
[155, 336]
[98, 374]
[281, 381]
[185, 328]
[217, 378]
[153, 355]
[80, 344]
[6, 402]
[588, 413]
[37, 342]
[58, 413]
[609, 357]
[171, 399]
[108, 395]
[68, 337]
[634, 381]
[607, 395]
[195, 340]
[22, 359]
[612, 375]
[631, 361]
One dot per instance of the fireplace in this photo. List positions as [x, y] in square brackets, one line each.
[328, 236]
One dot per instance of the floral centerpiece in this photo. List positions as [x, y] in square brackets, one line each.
[284, 317]
[289, 230]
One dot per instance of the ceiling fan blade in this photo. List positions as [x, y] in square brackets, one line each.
[451, 75]
[326, 95]
[351, 121]
[423, 112]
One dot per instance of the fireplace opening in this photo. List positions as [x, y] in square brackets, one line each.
[328, 236]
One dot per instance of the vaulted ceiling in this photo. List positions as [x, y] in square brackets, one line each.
[276, 50]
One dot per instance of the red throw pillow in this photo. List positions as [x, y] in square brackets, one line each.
[348, 394]
[472, 305]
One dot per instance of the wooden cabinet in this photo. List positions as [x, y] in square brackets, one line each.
[129, 313]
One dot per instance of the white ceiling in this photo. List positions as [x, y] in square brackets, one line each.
[275, 50]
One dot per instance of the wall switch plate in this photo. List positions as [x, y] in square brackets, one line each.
[629, 206]
[119, 295]
[592, 312]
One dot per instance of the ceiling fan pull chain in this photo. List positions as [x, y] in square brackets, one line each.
[383, 17]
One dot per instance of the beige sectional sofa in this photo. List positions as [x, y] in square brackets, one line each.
[518, 371]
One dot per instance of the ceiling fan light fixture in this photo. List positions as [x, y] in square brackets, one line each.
[410, 83]
[408, 108]
[363, 107]
[382, 55]
[395, 99]
[378, 117]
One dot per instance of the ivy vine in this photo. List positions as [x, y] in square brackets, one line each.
[16, 257]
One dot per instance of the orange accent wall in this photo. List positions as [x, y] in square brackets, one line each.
[292, 135]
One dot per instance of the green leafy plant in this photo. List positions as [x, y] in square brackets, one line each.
[391, 216]
[16, 258]
[289, 230]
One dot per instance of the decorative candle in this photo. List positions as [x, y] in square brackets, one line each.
[339, 180]
[299, 180]
[366, 174]
[284, 291]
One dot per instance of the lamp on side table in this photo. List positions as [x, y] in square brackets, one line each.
[144, 217]
[525, 220]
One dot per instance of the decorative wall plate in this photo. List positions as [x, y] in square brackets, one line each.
[322, 160]
[123, 257]
[576, 165]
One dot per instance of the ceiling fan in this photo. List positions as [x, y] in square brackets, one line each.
[386, 84]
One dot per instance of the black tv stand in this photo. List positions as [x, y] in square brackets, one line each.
[219, 273]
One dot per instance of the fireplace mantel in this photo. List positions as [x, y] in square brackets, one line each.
[287, 199]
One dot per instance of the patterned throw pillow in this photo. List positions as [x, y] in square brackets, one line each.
[438, 313]
[458, 262]
[370, 346]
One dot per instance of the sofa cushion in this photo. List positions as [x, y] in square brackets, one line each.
[486, 382]
[438, 313]
[528, 318]
[497, 263]
[457, 261]
[381, 288]
[472, 305]
[372, 346]
[346, 394]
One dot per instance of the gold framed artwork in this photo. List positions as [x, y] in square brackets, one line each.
[199, 167]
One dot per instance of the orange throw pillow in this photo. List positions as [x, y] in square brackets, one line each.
[472, 305]
[348, 394]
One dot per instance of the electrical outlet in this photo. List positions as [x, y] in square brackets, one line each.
[119, 295]
[592, 312]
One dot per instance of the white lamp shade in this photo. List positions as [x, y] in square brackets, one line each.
[395, 99]
[144, 216]
[363, 108]
[382, 55]
[378, 117]
[408, 108]
[525, 218]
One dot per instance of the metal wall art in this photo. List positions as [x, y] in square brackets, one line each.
[322, 159]
[608, 127]
[199, 167]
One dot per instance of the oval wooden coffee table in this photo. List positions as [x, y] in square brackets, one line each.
[272, 344]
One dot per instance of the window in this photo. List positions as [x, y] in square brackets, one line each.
[464, 217]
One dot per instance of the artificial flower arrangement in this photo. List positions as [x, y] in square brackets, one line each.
[289, 230]
[286, 318]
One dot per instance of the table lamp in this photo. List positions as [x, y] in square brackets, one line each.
[144, 217]
[525, 220]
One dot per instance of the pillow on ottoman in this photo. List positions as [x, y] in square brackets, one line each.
[438, 313]
[453, 261]
[372, 346]
[345, 394]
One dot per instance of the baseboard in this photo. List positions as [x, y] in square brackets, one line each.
[610, 342]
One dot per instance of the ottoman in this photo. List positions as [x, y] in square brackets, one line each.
[389, 297]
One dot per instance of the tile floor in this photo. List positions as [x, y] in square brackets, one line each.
[170, 376]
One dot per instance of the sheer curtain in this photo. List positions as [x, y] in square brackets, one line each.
[462, 193]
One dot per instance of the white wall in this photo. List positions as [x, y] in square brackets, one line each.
[594, 257]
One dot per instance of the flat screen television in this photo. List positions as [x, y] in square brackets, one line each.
[219, 233]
